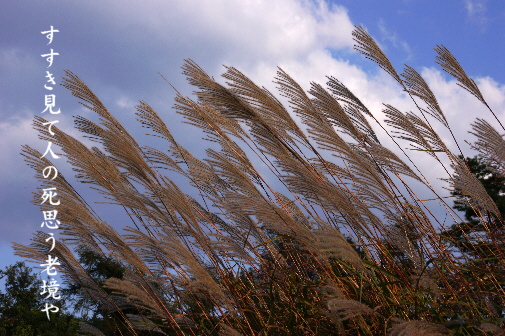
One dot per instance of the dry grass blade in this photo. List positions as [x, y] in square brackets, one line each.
[265, 104]
[208, 119]
[89, 329]
[490, 144]
[342, 310]
[418, 87]
[487, 327]
[303, 179]
[466, 183]
[355, 114]
[122, 147]
[216, 95]
[231, 248]
[151, 120]
[418, 328]
[412, 128]
[367, 46]
[450, 64]
[226, 330]
[168, 249]
[143, 323]
[397, 236]
[293, 209]
[331, 243]
[390, 161]
[345, 95]
[80, 90]
[137, 294]
[289, 88]
[348, 119]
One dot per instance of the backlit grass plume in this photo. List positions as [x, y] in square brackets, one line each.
[332, 241]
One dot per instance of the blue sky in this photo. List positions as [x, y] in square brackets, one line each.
[118, 48]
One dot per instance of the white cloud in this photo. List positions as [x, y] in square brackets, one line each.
[494, 93]
[476, 11]
[15, 60]
[460, 107]
[126, 102]
[235, 30]
[395, 40]
[15, 133]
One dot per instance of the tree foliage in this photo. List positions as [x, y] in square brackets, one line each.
[491, 180]
[21, 304]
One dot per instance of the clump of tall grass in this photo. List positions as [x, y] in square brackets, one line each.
[347, 248]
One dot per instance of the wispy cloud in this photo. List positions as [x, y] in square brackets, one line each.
[394, 39]
[477, 12]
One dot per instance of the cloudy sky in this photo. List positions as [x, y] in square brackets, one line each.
[118, 48]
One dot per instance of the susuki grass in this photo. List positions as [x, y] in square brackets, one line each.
[347, 248]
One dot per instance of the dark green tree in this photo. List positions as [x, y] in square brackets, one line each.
[481, 243]
[100, 268]
[492, 182]
[21, 304]
[471, 236]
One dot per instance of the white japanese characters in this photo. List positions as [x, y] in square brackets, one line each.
[50, 195]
